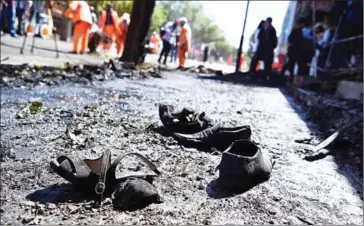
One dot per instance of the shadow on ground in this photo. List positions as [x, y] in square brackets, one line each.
[258, 79]
[214, 191]
[58, 194]
[339, 152]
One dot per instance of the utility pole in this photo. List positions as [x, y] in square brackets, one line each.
[241, 40]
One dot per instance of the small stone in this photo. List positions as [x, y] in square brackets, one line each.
[271, 222]
[201, 187]
[51, 206]
[26, 219]
[72, 208]
[198, 178]
[29, 203]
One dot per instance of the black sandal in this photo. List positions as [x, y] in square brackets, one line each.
[97, 176]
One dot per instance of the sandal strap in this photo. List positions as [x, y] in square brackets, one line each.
[145, 160]
[101, 186]
[78, 166]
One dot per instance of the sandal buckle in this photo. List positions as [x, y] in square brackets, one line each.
[100, 188]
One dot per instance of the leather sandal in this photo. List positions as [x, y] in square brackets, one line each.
[96, 176]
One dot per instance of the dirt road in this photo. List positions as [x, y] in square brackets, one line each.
[117, 115]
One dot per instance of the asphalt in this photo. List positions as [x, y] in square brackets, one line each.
[122, 116]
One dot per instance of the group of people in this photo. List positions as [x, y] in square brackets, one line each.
[12, 10]
[302, 48]
[266, 41]
[83, 18]
[176, 39]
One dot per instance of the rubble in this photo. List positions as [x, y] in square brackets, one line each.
[30, 76]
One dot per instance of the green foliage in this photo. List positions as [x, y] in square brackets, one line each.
[158, 18]
[119, 6]
[204, 30]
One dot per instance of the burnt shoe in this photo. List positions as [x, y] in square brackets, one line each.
[243, 166]
[186, 121]
[217, 137]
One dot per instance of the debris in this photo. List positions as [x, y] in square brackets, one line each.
[33, 108]
[334, 136]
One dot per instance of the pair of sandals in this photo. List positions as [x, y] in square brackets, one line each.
[98, 178]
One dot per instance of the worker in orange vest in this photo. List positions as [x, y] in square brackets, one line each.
[108, 23]
[229, 60]
[184, 44]
[242, 57]
[80, 14]
[155, 41]
[123, 27]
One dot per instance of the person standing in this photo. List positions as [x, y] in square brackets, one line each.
[108, 23]
[80, 14]
[21, 7]
[184, 44]
[295, 40]
[166, 39]
[269, 44]
[258, 50]
[174, 41]
[8, 12]
[205, 54]
[307, 52]
[123, 26]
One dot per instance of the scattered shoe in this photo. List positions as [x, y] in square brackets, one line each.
[97, 177]
[216, 136]
[243, 166]
[186, 121]
[134, 193]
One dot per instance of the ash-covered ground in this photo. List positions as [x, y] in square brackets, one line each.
[122, 116]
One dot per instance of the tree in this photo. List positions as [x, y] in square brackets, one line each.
[140, 20]
[204, 30]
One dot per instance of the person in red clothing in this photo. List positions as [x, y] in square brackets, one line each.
[123, 26]
[108, 23]
[184, 44]
[80, 14]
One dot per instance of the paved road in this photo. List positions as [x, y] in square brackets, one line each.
[44, 54]
[299, 192]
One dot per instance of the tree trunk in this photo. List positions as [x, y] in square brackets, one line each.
[138, 29]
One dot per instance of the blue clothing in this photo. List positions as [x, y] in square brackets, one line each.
[8, 14]
[20, 4]
[307, 33]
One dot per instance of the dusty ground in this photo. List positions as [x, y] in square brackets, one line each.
[120, 116]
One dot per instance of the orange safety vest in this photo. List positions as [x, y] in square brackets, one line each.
[185, 38]
[154, 39]
[115, 20]
[123, 30]
[230, 60]
[79, 11]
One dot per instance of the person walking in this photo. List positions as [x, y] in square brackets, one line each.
[184, 44]
[166, 39]
[80, 14]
